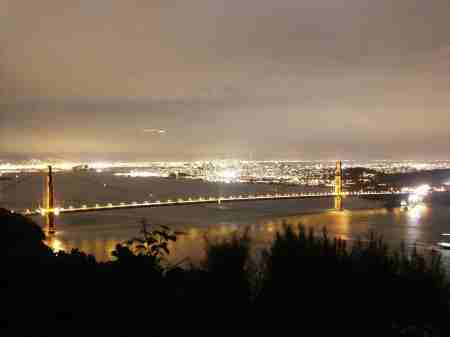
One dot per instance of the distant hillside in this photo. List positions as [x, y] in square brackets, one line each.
[434, 177]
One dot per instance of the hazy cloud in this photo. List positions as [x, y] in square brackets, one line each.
[310, 78]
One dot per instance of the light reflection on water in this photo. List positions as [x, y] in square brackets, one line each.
[394, 225]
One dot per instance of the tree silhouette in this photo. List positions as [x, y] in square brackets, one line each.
[21, 237]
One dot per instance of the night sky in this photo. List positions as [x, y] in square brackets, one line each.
[300, 79]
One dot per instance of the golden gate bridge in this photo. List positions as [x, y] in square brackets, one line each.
[50, 210]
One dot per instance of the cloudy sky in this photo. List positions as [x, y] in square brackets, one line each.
[237, 78]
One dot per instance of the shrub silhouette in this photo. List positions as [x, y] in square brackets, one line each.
[148, 251]
[306, 283]
[227, 262]
[376, 288]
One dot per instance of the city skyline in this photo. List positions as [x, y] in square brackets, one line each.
[309, 80]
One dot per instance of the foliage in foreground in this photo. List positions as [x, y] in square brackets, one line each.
[149, 251]
[377, 288]
[228, 265]
[306, 283]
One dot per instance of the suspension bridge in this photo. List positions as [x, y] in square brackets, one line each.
[50, 210]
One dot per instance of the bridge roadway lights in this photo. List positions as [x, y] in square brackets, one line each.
[50, 213]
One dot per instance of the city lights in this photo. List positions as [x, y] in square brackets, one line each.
[293, 172]
[137, 174]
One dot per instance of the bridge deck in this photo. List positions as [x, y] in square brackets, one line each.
[209, 200]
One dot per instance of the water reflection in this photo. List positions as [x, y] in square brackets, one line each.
[415, 222]
[416, 213]
[346, 224]
[56, 244]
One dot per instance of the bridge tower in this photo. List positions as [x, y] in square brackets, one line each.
[338, 187]
[49, 202]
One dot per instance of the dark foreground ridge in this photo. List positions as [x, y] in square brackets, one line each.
[303, 285]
